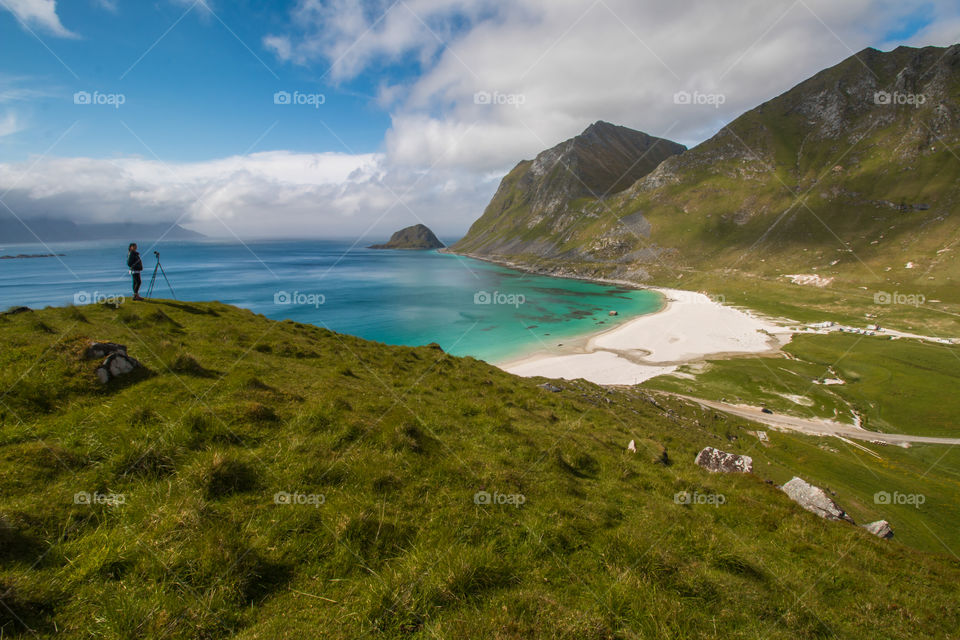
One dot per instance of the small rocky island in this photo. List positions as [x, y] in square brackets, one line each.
[417, 237]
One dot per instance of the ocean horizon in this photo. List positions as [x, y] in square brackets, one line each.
[469, 307]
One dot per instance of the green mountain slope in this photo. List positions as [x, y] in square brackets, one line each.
[851, 175]
[378, 455]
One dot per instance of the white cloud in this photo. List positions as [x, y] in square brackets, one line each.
[38, 13]
[265, 194]
[571, 63]
[9, 124]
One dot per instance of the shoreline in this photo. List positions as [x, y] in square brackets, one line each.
[689, 328]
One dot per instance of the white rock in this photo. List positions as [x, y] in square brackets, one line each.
[715, 460]
[880, 528]
[815, 500]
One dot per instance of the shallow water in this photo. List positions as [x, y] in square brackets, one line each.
[467, 306]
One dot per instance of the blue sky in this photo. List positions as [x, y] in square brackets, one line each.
[400, 136]
[198, 93]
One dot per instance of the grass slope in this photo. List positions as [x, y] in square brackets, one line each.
[395, 443]
[820, 180]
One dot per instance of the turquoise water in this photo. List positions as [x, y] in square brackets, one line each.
[467, 306]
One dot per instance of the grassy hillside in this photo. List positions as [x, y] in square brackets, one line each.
[820, 180]
[384, 450]
[902, 386]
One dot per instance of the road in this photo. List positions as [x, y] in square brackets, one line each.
[814, 426]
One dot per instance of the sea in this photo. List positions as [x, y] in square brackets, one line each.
[469, 307]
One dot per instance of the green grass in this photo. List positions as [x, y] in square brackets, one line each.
[388, 447]
[896, 386]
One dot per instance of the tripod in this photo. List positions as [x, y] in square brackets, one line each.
[154, 278]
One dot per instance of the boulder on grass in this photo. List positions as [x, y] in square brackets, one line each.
[116, 365]
[715, 460]
[815, 500]
[880, 528]
[98, 350]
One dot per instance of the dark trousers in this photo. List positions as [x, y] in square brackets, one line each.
[136, 283]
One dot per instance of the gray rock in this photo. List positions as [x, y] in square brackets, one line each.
[880, 528]
[815, 500]
[715, 460]
[116, 365]
[99, 350]
[549, 387]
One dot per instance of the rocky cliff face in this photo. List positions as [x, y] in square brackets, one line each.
[850, 174]
[538, 199]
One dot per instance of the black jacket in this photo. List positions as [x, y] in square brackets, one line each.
[133, 261]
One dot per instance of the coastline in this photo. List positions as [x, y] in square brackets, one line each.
[690, 327]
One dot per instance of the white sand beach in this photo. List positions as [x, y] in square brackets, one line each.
[690, 328]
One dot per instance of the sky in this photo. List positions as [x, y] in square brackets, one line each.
[354, 118]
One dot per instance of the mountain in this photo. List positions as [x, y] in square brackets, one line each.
[264, 479]
[54, 230]
[541, 198]
[417, 237]
[851, 175]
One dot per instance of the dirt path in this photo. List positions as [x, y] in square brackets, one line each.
[814, 426]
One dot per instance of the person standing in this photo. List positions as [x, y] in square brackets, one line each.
[136, 266]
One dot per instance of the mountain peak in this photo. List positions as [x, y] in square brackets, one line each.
[603, 160]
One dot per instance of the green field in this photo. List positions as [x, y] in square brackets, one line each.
[385, 450]
[896, 386]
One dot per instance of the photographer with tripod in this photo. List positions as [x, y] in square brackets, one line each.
[136, 266]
